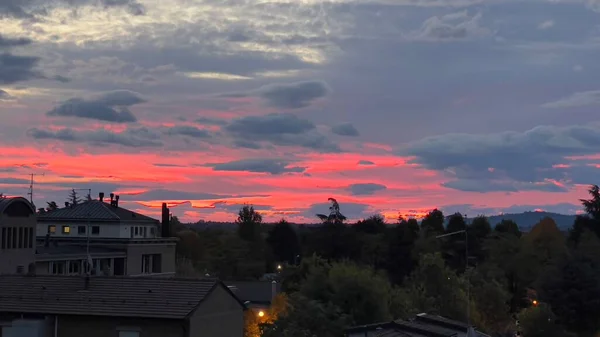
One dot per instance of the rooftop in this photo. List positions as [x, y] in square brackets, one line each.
[257, 292]
[94, 210]
[420, 326]
[105, 296]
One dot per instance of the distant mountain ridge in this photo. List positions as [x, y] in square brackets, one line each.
[527, 220]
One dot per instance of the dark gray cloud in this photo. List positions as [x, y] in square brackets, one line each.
[472, 210]
[15, 68]
[110, 107]
[366, 188]
[509, 161]
[267, 165]
[13, 181]
[211, 121]
[166, 194]
[284, 129]
[365, 162]
[139, 137]
[29, 9]
[190, 131]
[345, 129]
[295, 95]
[6, 42]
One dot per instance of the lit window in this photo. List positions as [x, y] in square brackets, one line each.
[51, 229]
[66, 229]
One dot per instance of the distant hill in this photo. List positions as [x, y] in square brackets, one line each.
[527, 220]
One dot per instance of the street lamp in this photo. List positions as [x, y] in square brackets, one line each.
[261, 313]
[464, 231]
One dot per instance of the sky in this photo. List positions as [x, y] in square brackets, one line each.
[389, 106]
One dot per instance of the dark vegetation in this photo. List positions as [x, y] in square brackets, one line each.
[337, 274]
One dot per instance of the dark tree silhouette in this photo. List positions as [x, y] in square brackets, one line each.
[284, 243]
[372, 225]
[51, 206]
[334, 216]
[508, 227]
[433, 223]
[249, 222]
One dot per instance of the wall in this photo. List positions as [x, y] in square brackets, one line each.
[107, 230]
[12, 258]
[78, 326]
[219, 315]
[135, 252]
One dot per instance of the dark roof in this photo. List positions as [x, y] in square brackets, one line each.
[258, 292]
[94, 210]
[7, 201]
[106, 296]
[420, 326]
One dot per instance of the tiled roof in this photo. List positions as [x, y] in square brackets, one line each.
[94, 210]
[106, 296]
[258, 292]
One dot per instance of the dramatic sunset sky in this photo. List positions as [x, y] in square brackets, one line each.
[477, 106]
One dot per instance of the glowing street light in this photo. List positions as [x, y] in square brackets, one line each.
[279, 267]
[261, 313]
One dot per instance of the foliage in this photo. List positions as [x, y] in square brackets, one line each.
[283, 242]
[334, 216]
[372, 225]
[74, 198]
[51, 206]
[540, 321]
[433, 223]
[508, 226]
[249, 222]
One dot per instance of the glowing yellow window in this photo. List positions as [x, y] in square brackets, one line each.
[66, 229]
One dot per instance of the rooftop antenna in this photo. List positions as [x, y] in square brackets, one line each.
[31, 183]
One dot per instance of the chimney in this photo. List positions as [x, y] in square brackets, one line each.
[66, 204]
[101, 196]
[166, 223]
[273, 290]
[116, 201]
[112, 197]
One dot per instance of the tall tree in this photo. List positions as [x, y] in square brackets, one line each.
[478, 231]
[284, 243]
[508, 226]
[74, 197]
[592, 205]
[454, 245]
[540, 321]
[433, 223]
[401, 242]
[372, 225]
[249, 222]
[334, 216]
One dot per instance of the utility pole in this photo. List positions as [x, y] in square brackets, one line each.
[464, 231]
[31, 183]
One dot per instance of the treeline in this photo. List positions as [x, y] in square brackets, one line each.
[338, 275]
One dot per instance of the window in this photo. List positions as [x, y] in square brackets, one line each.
[52, 229]
[74, 267]
[145, 231]
[31, 237]
[95, 230]
[136, 231]
[20, 238]
[58, 268]
[156, 263]
[14, 238]
[3, 238]
[152, 231]
[66, 229]
[131, 232]
[80, 230]
[146, 264]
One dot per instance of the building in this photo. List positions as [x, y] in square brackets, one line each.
[17, 235]
[421, 325]
[99, 306]
[258, 295]
[118, 241]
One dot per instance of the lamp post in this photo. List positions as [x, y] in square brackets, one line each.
[464, 231]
